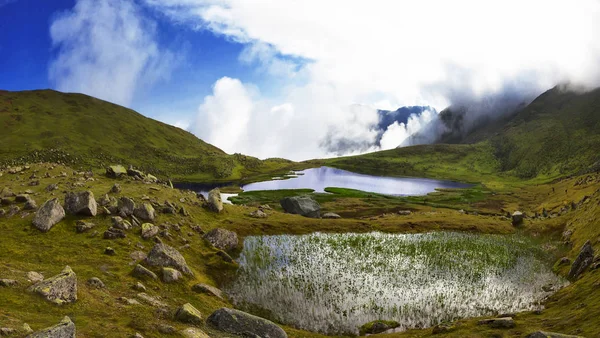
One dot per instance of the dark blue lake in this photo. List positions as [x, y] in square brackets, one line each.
[320, 178]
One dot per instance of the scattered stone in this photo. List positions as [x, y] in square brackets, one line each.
[115, 171]
[259, 214]
[135, 173]
[114, 233]
[81, 203]
[5, 201]
[214, 201]
[138, 255]
[82, 226]
[151, 178]
[137, 335]
[498, 323]
[6, 192]
[166, 329]
[406, 212]
[96, 282]
[109, 251]
[34, 183]
[153, 301]
[183, 211]
[7, 331]
[197, 229]
[2, 212]
[22, 198]
[222, 239]
[238, 322]
[64, 329]
[48, 215]
[139, 287]
[517, 218]
[149, 230]
[13, 210]
[543, 334]
[27, 329]
[265, 207]
[59, 289]
[128, 301]
[166, 256]
[205, 288]
[170, 275]
[225, 256]
[377, 326]
[34, 277]
[52, 187]
[30, 205]
[145, 212]
[119, 223]
[8, 283]
[301, 205]
[443, 328]
[126, 206]
[193, 333]
[188, 314]
[331, 215]
[583, 260]
[141, 272]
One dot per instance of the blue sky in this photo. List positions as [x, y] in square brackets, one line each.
[291, 78]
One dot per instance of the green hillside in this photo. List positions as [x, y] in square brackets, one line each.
[84, 132]
[558, 134]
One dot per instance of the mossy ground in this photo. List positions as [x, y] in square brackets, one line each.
[99, 313]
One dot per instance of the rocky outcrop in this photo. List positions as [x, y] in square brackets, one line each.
[165, 256]
[48, 215]
[222, 239]
[59, 289]
[188, 314]
[241, 323]
[214, 201]
[583, 260]
[301, 205]
[144, 212]
[81, 203]
[64, 329]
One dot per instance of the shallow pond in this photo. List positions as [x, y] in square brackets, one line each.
[333, 283]
[320, 178]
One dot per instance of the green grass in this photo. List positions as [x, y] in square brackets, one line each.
[85, 132]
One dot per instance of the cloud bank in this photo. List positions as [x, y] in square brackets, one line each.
[342, 59]
[107, 49]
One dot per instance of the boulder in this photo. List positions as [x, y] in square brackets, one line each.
[170, 275]
[30, 205]
[188, 314]
[241, 323]
[64, 329]
[126, 206]
[205, 288]
[543, 334]
[517, 218]
[115, 171]
[583, 260]
[59, 289]
[258, 214]
[81, 203]
[48, 215]
[191, 332]
[214, 201]
[21, 198]
[96, 282]
[301, 205]
[166, 256]
[119, 223]
[144, 212]
[222, 239]
[331, 215]
[149, 230]
[141, 272]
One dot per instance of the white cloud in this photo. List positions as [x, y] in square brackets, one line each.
[404, 52]
[105, 48]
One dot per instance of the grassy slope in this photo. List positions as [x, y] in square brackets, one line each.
[83, 131]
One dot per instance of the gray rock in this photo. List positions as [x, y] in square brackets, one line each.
[119, 223]
[114, 233]
[498, 323]
[6, 192]
[517, 218]
[52, 187]
[205, 288]
[96, 282]
[149, 230]
[166, 256]
[7, 331]
[145, 212]
[59, 289]
[81, 203]
[170, 275]
[407, 212]
[139, 286]
[238, 322]
[259, 214]
[126, 206]
[153, 301]
[214, 201]
[64, 329]
[166, 329]
[331, 215]
[301, 205]
[82, 226]
[35, 277]
[188, 314]
[115, 171]
[225, 256]
[48, 215]
[116, 188]
[30, 205]
[583, 260]
[141, 272]
[191, 332]
[138, 255]
[8, 283]
[109, 251]
[21, 198]
[543, 334]
[222, 239]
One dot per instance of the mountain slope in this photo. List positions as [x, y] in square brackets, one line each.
[80, 130]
